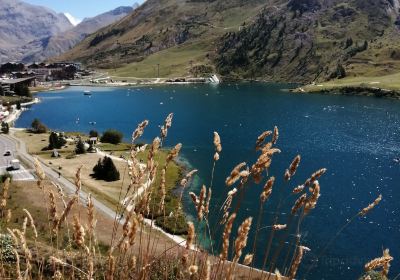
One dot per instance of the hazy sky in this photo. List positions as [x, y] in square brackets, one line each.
[80, 9]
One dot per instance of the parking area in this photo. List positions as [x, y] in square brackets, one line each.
[7, 154]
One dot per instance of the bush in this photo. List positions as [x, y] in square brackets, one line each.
[112, 136]
[56, 141]
[106, 170]
[5, 128]
[93, 133]
[80, 148]
[18, 105]
[38, 126]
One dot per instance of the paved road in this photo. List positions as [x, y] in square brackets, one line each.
[22, 174]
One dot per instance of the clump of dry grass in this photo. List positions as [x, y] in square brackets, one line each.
[382, 262]
[367, 209]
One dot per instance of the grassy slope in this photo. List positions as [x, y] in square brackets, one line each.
[162, 22]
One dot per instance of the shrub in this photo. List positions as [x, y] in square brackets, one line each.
[106, 170]
[18, 105]
[112, 136]
[56, 141]
[80, 147]
[5, 128]
[38, 126]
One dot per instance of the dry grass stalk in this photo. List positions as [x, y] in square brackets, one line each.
[278, 275]
[173, 154]
[292, 168]
[167, 125]
[8, 216]
[267, 190]
[17, 265]
[39, 172]
[162, 190]
[298, 189]
[275, 135]
[227, 205]
[279, 227]
[371, 206]
[299, 203]
[78, 180]
[386, 266]
[190, 236]
[261, 139]
[64, 214]
[226, 236]
[79, 232]
[31, 222]
[111, 268]
[315, 176]
[296, 263]
[206, 273]
[4, 196]
[91, 216]
[199, 202]
[26, 250]
[139, 130]
[217, 142]
[133, 230]
[235, 174]
[207, 203]
[241, 240]
[311, 202]
[382, 262]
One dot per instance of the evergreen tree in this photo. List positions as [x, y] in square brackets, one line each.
[56, 141]
[18, 105]
[106, 170]
[38, 127]
[111, 136]
[80, 147]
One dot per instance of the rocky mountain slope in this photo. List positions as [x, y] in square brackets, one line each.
[21, 23]
[43, 48]
[295, 40]
[308, 40]
[159, 25]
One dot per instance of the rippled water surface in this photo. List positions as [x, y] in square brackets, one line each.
[355, 138]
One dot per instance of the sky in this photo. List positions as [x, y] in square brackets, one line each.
[77, 10]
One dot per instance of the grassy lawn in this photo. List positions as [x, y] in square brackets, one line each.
[14, 99]
[174, 62]
[107, 192]
[391, 82]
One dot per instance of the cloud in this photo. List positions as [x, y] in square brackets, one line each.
[72, 20]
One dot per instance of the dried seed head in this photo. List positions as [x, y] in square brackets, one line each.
[299, 203]
[311, 202]
[206, 273]
[275, 136]
[4, 196]
[292, 168]
[298, 189]
[278, 227]
[191, 235]
[139, 130]
[188, 177]
[217, 142]
[207, 203]
[39, 170]
[31, 222]
[133, 230]
[371, 206]
[261, 139]
[162, 189]
[174, 153]
[79, 232]
[386, 266]
[378, 263]
[315, 176]
[241, 240]
[216, 156]
[248, 259]
[78, 180]
[267, 191]
[235, 174]
[225, 237]
[297, 261]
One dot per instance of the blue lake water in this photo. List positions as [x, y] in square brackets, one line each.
[355, 138]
